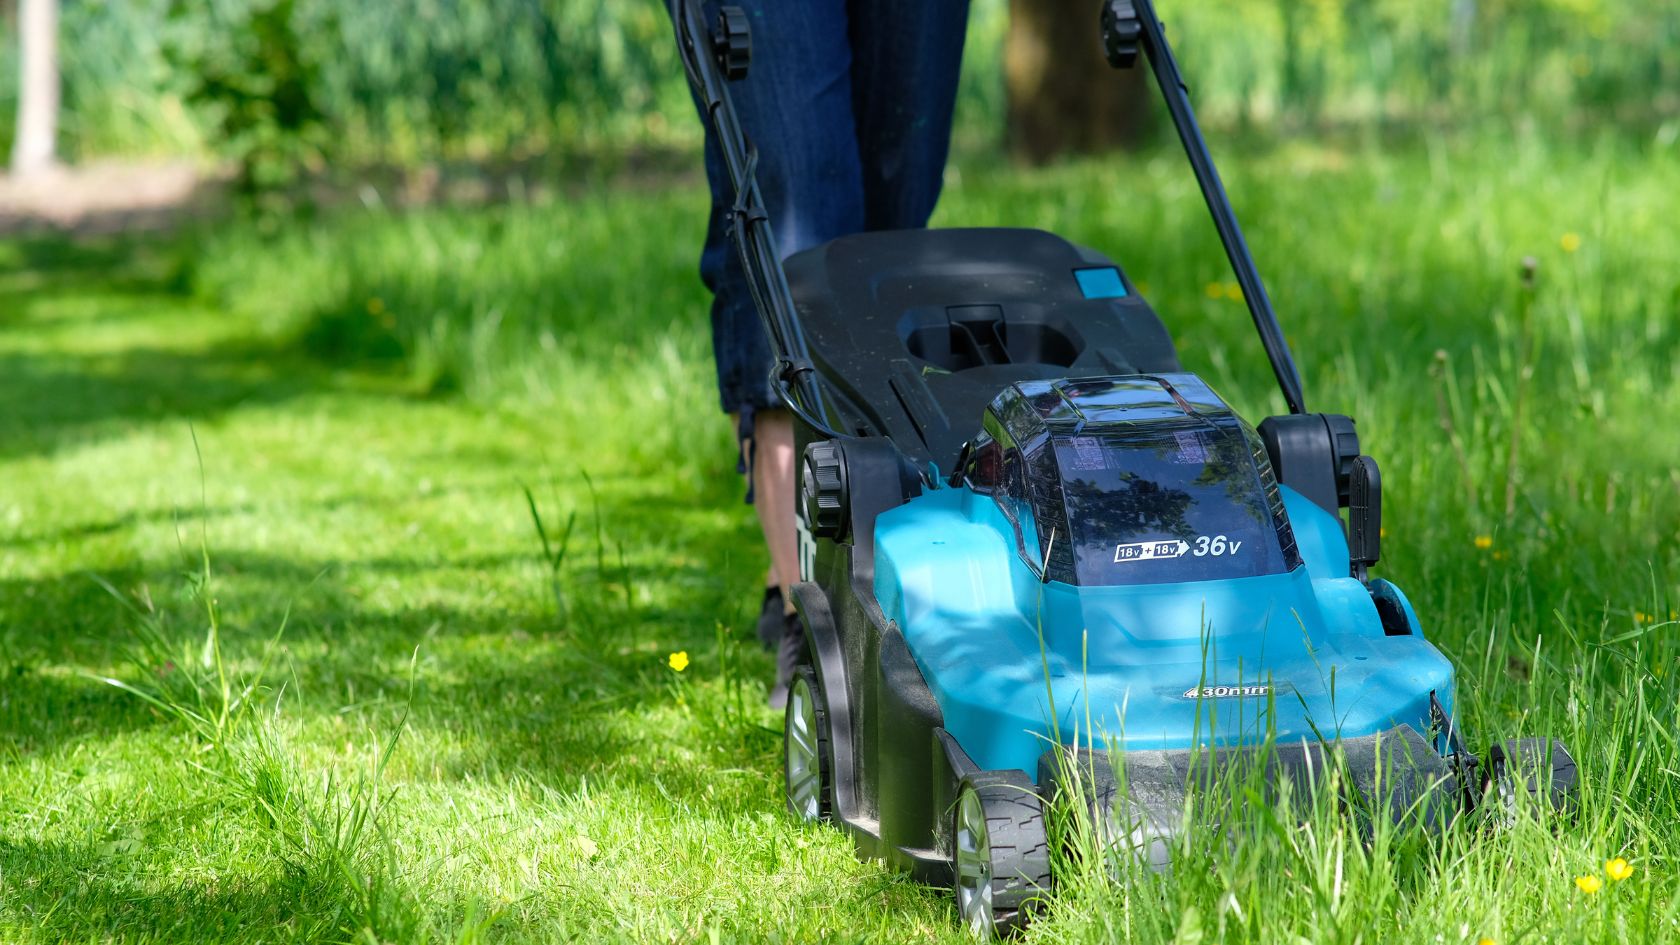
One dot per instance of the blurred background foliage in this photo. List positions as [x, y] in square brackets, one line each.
[284, 84]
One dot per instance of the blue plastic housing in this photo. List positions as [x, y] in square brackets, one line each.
[1017, 664]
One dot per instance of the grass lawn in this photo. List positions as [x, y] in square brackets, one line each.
[283, 658]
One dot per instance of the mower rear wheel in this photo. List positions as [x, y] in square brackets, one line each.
[1000, 854]
[806, 770]
[1542, 768]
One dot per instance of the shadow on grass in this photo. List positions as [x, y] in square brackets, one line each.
[187, 519]
[41, 713]
[508, 686]
[550, 709]
[69, 395]
[59, 891]
[65, 889]
[158, 266]
[50, 404]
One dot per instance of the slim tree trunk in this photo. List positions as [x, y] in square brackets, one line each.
[35, 147]
[1063, 96]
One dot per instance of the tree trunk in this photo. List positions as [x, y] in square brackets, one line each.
[1063, 97]
[35, 147]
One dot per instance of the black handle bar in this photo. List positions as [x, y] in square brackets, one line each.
[1126, 25]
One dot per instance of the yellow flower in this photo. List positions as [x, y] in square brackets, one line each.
[1484, 941]
[1214, 290]
[1499, 556]
[1233, 292]
[1618, 869]
[678, 660]
[1570, 242]
[375, 305]
[1484, 542]
[1589, 884]
[1639, 616]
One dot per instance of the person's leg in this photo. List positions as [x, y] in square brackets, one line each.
[795, 107]
[771, 461]
[773, 487]
[906, 58]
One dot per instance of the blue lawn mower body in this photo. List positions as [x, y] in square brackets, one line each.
[1012, 658]
[1032, 544]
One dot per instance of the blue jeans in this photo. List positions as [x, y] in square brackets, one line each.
[849, 104]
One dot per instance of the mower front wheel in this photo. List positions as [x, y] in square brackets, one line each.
[1000, 856]
[806, 770]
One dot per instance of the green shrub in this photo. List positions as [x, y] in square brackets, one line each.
[405, 81]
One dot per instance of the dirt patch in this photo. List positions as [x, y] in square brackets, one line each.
[108, 197]
[119, 196]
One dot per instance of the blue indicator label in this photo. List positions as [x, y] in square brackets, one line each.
[1101, 283]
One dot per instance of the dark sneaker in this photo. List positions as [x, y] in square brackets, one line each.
[770, 622]
[789, 651]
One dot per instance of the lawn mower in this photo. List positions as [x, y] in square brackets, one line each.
[1038, 555]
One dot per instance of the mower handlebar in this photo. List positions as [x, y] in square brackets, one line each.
[1127, 26]
[710, 59]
